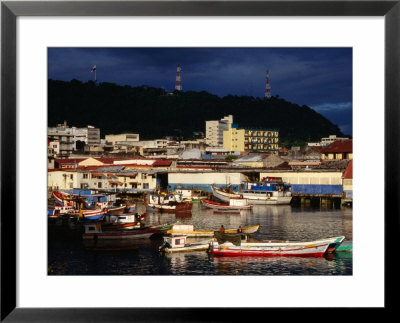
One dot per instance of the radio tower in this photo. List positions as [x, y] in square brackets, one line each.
[267, 87]
[178, 83]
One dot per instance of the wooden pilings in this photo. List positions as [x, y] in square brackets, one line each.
[317, 201]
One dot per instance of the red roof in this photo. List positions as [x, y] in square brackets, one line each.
[162, 163]
[348, 173]
[339, 146]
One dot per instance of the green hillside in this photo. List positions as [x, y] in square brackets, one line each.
[154, 114]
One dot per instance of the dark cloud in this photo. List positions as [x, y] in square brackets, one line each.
[317, 77]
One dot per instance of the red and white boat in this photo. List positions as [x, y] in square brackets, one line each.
[235, 205]
[58, 210]
[61, 198]
[233, 245]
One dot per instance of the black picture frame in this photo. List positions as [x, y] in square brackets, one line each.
[10, 10]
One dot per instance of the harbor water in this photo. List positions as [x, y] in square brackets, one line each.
[67, 254]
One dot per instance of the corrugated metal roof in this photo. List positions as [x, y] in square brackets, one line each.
[111, 169]
[190, 154]
[250, 158]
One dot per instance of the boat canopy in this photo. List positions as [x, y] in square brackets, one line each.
[235, 238]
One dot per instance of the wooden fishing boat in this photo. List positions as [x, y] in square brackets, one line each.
[94, 231]
[272, 191]
[167, 203]
[116, 209]
[173, 207]
[124, 221]
[188, 230]
[234, 205]
[179, 244]
[90, 214]
[224, 194]
[60, 210]
[61, 198]
[130, 208]
[234, 245]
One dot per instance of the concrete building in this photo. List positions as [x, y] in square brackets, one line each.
[122, 138]
[60, 143]
[215, 131]
[233, 138]
[194, 144]
[103, 178]
[203, 180]
[340, 149]
[332, 138]
[251, 140]
[88, 135]
[261, 140]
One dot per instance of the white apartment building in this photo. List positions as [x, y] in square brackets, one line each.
[328, 140]
[215, 131]
[60, 144]
[136, 181]
[325, 141]
[89, 135]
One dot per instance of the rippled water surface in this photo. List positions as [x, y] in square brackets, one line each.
[67, 255]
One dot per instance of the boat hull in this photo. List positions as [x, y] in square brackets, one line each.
[224, 207]
[119, 226]
[248, 230]
[116, 210]
[317, 251]
[189, 248]
[316, 248]
[256, 199]
[130, 208]
[223, 196]
[120, 235]
[128, 234]
[184, 207]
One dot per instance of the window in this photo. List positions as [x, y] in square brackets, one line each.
[99, 185]
[71, 176]
[86, 176]
[145, 185]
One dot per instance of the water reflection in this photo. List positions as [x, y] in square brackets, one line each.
[68, 254]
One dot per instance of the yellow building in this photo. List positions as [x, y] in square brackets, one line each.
[234, 139]
[261, 140]
[251, 140]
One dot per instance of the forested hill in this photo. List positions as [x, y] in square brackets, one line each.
[152, 113]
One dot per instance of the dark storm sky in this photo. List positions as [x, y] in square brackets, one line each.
[320, 78]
